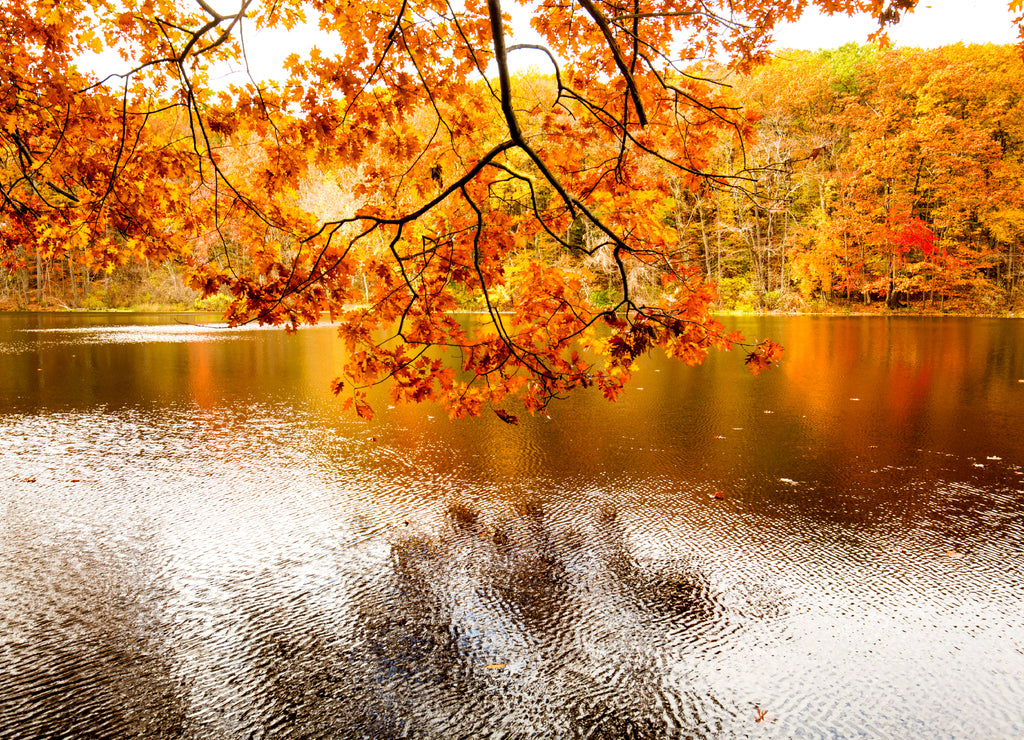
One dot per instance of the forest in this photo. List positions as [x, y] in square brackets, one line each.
[602, 205]
[863, 179]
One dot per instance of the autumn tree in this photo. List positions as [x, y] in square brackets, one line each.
[888, 175]
[928, 161]
[84, 173]
[455, 171]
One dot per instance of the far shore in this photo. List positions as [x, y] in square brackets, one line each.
[859, 311]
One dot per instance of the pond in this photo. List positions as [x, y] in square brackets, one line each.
[195, 541]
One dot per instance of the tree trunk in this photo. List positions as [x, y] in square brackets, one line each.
[704, 239]
[39, 278]
[891, 298]
[71, 282]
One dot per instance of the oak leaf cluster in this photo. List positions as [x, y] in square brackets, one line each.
[385, 184]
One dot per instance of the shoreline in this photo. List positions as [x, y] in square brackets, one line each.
[881, 312]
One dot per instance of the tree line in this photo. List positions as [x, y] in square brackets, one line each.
[867, 177]
[878, 176]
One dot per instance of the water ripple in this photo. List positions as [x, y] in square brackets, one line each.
[190, 566]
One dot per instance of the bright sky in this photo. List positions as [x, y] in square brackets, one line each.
[935, 23]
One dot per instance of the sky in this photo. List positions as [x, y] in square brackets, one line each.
[934, 23]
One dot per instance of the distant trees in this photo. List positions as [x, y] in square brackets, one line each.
[853, 176]
[881, 175]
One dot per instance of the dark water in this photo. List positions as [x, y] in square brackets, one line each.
[196, 542]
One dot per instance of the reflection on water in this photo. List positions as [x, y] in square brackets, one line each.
[195, 542]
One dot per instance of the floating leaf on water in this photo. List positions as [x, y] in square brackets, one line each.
[506, 417]
[491, 666]
[718, 494]
[954, 554]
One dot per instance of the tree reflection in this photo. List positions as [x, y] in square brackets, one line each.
[518, 623]
[528, 624]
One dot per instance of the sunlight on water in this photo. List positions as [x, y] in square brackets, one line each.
[196, 542]
[181, 332]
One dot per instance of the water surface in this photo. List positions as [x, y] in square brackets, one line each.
[195, 541]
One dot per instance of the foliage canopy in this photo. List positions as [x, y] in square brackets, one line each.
[383, 184]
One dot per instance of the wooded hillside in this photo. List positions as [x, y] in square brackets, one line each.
[889, 176]
[869, 176]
